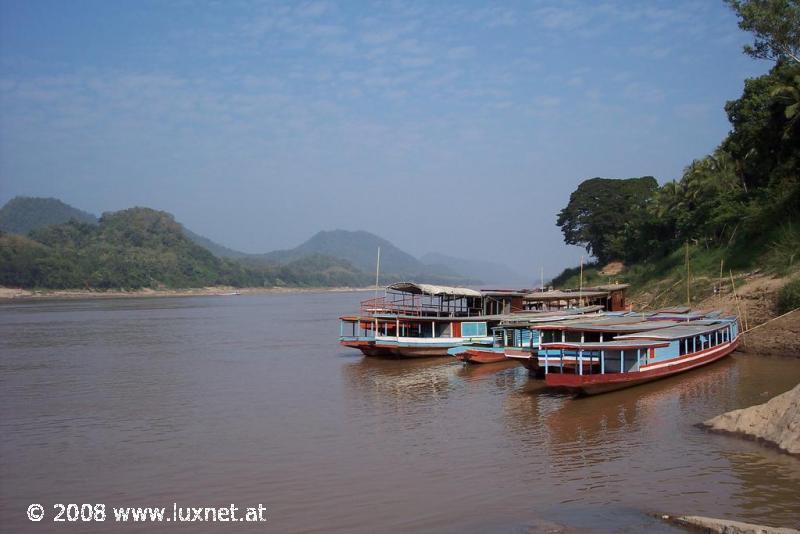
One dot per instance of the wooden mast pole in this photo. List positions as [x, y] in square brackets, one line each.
[377, 272]
[580, 287]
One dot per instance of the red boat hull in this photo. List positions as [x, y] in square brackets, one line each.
[603, 383]
[481, 356]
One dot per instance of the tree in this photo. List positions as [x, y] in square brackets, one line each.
[599, 212]
[775, 24]
[764, 141]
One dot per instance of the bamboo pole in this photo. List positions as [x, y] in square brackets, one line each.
[580, 286]
[738, 306]
[688, 295]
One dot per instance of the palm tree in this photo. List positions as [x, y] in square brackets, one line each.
[789, 94]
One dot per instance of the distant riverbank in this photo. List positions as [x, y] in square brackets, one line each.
[9, 293]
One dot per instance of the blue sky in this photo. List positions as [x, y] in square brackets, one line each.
[457, 127]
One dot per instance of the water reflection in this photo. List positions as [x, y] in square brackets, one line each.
[418, 380]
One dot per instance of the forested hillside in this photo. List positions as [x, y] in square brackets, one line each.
[141, 247]
[736, 209]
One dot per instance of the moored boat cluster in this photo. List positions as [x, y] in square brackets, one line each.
[582, 340]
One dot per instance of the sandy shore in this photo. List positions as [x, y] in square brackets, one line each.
[9, 293]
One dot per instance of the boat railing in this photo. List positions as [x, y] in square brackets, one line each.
[410, 307]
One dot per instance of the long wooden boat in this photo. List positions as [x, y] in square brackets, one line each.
[634, 359]
[417, 321]
[422, 320]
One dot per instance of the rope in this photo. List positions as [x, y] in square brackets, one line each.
[773, 319]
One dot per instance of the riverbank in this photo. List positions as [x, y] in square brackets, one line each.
[776, 422]
[8, 293]
[724, 526]
[754, 301]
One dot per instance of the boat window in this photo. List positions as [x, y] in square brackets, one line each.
[591, 337]
[551, 336]
[573, 337]
[470, 329]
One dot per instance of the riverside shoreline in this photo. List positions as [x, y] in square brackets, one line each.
[776, 422]
[724, 526]
[16, 294]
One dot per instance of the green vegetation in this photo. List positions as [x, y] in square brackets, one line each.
[775, 25]
[789, 296]
[143, 248]
[129, 249]
[23, 214]
[599, 211]
[736, 209]
[66, 248]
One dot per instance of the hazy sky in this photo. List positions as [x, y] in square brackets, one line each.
[458, 127]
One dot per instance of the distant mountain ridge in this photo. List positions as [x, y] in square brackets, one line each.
[329, 257]
[361, 248]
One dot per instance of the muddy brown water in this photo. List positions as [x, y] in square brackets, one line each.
[208, 401]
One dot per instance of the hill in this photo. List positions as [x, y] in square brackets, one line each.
[144, 248]
[360, 249]
[133, 248]
[487, 272]
[20, 215]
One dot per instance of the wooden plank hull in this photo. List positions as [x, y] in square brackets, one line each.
[604, 383]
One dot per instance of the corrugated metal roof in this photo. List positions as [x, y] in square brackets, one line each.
[679, 331]
[608, 287]
[430, 289]
[608, 345]
[610, 324]
[562, 295]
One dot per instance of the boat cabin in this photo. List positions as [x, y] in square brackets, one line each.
[611, 297]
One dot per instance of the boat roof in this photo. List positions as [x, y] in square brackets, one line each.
[620, 324]
[557, 294]
[696, 328]
[607, 345]
[586, 292]
[679, 316]
[523, 318]
[529, 317]
[434, 290]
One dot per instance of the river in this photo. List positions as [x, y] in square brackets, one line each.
[209, 401]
